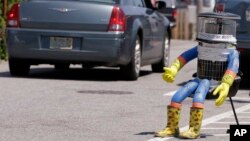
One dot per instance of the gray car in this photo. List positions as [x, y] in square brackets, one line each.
[241, 8]
[117, 33]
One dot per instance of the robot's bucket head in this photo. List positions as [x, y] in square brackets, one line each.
[217, 27]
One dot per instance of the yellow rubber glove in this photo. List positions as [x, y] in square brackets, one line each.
[222, 90]
[170, 73]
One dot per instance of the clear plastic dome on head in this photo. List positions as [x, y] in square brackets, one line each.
[217, 27]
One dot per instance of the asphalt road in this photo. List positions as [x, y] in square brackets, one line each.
[97, 105]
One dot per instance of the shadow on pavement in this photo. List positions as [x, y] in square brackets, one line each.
[96, 74]
[145, 133]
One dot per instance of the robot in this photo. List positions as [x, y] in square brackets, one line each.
[217, 68]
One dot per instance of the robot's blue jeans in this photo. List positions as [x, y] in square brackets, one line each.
[197, 87]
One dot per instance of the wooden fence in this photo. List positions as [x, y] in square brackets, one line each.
[185, 25]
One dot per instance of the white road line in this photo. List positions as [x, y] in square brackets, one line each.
[171, 93]
[243, 113]
[209, 121]
[231, 122]
[224, 115]
[160, 139]
[239, 116]
[214, 128]
[219, 135]
[241, 98]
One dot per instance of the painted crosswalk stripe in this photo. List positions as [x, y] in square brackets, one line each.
[217, 128]
[233, 122]
[244, 112]
[171, 93]
[240, 117]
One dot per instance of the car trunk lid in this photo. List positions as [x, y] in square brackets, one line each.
[66, 15]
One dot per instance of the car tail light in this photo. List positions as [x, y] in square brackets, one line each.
[174, 13]
[219, 7]
[13, 16]
[117, 20]
[241, 50]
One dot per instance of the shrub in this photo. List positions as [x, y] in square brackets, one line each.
[3, 53]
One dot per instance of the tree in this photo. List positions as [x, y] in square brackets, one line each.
[4, 7]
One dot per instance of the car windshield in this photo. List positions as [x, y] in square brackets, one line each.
[102, 1]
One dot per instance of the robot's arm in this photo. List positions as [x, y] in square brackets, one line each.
[232, 68]
[170, 72]
[185, 57]
[228, 78]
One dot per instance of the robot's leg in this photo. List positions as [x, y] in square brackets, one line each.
[196, 115]
[196, 111]
[172, 128]
[174, 110]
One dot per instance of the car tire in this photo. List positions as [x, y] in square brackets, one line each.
[61, 66]
[132, 70]
[18, 67]
[158, 67]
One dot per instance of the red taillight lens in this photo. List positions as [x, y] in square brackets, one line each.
[241, 50]
[219, 7]
[117, 20]
[13, 16]
[174, 13]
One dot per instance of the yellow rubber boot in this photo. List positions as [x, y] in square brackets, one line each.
[196, 115]
[172, 128]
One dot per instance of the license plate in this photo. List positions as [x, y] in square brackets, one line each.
[248, 15]
[61, 43]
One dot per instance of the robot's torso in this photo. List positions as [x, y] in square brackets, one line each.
[212, 61]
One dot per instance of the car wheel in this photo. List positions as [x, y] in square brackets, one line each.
[61, 66]
[18, 67]
[158, 67]
[132, 70]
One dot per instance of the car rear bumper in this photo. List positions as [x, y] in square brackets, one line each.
[34, 44]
